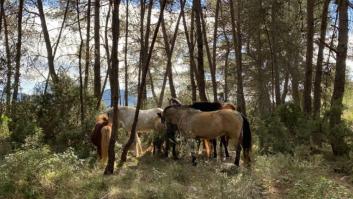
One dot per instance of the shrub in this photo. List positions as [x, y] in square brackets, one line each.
[286, 128]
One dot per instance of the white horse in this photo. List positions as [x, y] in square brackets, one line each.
[148, 121]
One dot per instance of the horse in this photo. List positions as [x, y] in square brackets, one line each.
[210, 106]
[148, 120]
[195, 124]
[100, 136]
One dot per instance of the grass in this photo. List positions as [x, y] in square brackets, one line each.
[273, 176]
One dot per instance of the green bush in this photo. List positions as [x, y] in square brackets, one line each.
[36, 172]
[57, 113]
[286, 128]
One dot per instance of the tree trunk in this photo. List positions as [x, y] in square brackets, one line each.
[309, 57]
[226, 68]
[169, 48]
[238, 55]
[82, 113]
[294, 73]
[126, 93]
[8, 62]
[274, 36]
[189, 41]
[143, 81]
[1, 13]
[50, 54]
[97, 65]
[209, 58]
[285, 88]
[169, 52]
[87, 47]
[114, 76]
[339, 147]
[152, 86]
[200, 65]
[320, 57]
[214, 50]
[18, 53]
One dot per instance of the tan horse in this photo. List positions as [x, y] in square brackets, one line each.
[210, 125]
[101, 137]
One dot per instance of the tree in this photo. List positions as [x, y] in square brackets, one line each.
[87, 48]
[339, 147]
[190, 43]
[115, 86]
[126, 94]
[236, 24]
[309, 56]
[50, 53]
[320, 57]
[18, 52]
[200, 64]
[97, 75]
[141, 87]
[8, 59]
[82, 112]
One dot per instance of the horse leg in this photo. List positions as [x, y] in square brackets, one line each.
[193, 152]
[198, 145]
[214, 143]
[238, 150]
[207, 148]
[225, 144]
[138, 145]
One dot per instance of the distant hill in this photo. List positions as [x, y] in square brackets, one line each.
[132, 100]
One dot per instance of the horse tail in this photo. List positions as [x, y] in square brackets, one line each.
[105, 133]
[247, 138]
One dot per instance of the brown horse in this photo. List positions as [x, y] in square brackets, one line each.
[194, 123]
[101, 136]
[210, 106]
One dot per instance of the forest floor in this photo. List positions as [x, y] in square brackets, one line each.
[275, 176]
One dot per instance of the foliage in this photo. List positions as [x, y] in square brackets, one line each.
[284, 129]
[36, 172]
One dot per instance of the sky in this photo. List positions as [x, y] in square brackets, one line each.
[33, 76]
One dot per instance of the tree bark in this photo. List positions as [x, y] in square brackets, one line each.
[87, 47]
[339, 147]
[8, 62]
[18, 53]
[309, 57]
[126, 93]
[143, 81]
[274, 36]
[50, 54]
[114, 76]
[189, 41]
[320, 57]
[169, 48]
[214, 50]
[209, 57]
[82, 113]
[238, 55]
[97, 74]
[200, 64]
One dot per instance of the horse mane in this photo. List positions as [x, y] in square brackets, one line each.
[102, 118]
[229, 105]
[174, 101]
[206, 106]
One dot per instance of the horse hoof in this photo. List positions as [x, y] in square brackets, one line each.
[194, 164]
